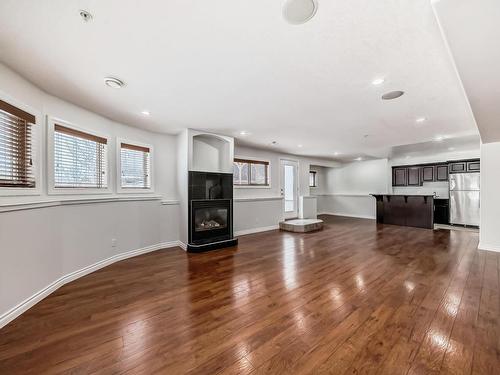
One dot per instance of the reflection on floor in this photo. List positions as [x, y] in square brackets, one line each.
[456, 227]
[356, 297]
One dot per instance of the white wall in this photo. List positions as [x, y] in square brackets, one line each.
[41, 244]
[348, 188]
[363, 177]
[490, 197]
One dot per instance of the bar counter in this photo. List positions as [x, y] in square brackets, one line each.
[405, 210]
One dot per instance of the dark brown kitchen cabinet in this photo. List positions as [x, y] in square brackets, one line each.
[413, 176]
[428, 173]
[458, 167]
[441, 173]
[473, 166]
[399, 175]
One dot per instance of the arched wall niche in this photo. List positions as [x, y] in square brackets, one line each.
[212, 153]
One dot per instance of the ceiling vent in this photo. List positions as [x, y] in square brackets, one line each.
[297, 12]
[114, 82]
[392, 95]
[86, 16]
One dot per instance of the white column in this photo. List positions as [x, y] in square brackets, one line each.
[490, 197]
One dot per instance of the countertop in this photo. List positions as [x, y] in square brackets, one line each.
[407, 195]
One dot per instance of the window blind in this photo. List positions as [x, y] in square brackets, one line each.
[312, 179]
[135, 167]
[80, 159]
[16, 160]
[250, 172]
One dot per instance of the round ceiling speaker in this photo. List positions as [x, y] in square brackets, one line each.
[297, 12]
[114, 82]
[392, 95]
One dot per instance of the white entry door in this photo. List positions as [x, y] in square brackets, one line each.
[289, 187]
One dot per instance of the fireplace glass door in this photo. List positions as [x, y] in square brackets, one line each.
[210, 220]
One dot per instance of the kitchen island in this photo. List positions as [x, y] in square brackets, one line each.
[406, 210]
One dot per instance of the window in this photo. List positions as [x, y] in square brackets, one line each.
[250, 172]
[80, 159]
[16, 154]
[312, 179]
[135, 162]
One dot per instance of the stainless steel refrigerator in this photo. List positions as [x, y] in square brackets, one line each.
[464, 198]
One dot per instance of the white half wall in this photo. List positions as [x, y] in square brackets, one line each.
[256, 215]
[489, 232]
[362, 206]
[42, 246]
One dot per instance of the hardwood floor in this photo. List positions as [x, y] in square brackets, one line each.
[353, 298]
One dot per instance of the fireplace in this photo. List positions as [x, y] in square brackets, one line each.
[210, 211]
[210, 220]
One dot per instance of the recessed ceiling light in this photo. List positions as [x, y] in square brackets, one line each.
[299, 146]
[297, 12]
[114, 82]
[392, 95]
[336, 153]
[420, 120]
[243, 132]
[86, 16]
[378, 81]
[359, 159]
[145, 113]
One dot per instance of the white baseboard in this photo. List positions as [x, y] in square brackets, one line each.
[348, 215]
[256, 230]
[484, 246]
[38, 296]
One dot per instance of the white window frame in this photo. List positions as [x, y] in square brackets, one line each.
[36, 137]
[51, 189]
[269, 180]
[119, 188]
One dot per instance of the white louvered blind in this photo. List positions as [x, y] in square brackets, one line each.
[135, 166]
[80, 159]
[16, 160]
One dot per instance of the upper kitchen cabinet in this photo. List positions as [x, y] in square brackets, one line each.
[428, 173]
[458, 167]
[399, 176]
[473, 166]
[414, 176]
[417, 175]
[464, 166]
[441, 172]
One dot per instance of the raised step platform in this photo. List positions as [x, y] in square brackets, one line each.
[301, 225]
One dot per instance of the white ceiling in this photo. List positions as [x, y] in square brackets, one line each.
[472, 29]
[232, 65]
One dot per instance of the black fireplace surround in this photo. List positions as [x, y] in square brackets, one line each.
[210, 211]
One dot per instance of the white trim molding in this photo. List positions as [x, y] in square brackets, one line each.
[256, 230]
[41, 294]
[347, 215]
[258, 199]
[73, 201]
[170, 202]
[488, 247]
